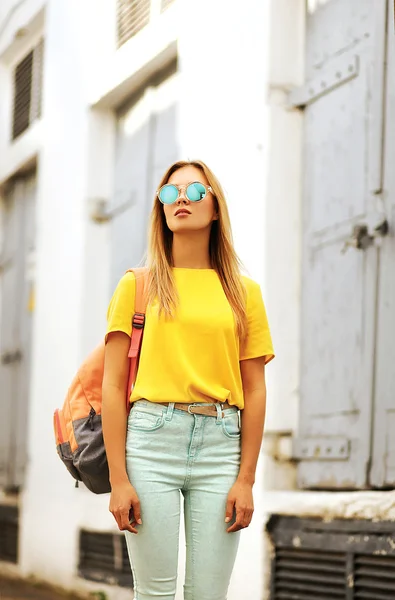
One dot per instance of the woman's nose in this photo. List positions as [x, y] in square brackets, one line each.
[182, 197]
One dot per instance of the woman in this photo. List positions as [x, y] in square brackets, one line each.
[206, 342]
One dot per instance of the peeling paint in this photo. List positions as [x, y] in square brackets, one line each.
[350, 581]
[297, 542]
[373, 506]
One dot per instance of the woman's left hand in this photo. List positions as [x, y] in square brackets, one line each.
[240, 499]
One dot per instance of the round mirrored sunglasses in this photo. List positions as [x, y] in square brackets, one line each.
[195, 192]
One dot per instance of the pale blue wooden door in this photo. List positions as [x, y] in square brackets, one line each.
[343, 158]
[17, 305]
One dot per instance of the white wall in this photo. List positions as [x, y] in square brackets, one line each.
[15, 16]
[230, 126]
[283, 255]
[71, 281]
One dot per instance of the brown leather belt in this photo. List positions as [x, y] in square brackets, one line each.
[209, 411]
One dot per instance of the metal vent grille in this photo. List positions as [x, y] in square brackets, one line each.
[374, 577]
[132, 16]
[27, 90]
[9, 534]
[300, 574]
[165, 4]
[341, 559]
[104, 557]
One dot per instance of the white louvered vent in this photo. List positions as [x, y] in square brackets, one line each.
[132, 16]
[165, 4]
[27, 90]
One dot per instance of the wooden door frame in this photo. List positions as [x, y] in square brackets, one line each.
[384, 384]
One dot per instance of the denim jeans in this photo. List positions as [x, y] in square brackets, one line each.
[169, 453]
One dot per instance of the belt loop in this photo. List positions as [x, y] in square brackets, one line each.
[219, 411]
[169, 412]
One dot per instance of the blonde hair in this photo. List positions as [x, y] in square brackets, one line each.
[222, 253]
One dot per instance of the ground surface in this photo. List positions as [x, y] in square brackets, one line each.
[20, 590]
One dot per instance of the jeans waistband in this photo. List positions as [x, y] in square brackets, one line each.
[219, 409]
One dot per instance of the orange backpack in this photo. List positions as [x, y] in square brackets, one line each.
[78, 426]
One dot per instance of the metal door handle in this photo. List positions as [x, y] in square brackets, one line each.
[10, 357]
[361, 239]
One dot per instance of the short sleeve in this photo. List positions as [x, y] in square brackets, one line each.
[121, 308]
[259, 341]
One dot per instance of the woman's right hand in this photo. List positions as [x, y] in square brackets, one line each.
[125, 507]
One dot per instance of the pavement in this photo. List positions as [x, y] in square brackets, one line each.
[14, 589]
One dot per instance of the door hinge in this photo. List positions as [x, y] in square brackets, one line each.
[321, 448]
[339, 71]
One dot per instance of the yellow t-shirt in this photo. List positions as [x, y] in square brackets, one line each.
[195, 356]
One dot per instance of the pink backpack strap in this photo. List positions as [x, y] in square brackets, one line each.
[140, 306]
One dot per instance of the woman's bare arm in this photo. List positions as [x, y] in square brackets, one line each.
[114, 418]
[252, 416]
[240, 497]
[116, 366]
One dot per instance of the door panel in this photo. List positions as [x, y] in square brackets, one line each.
[15, 334]
[339, 289]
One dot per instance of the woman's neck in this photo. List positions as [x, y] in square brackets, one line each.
[191, 250]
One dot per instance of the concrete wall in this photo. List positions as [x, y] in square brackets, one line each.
[229, 125]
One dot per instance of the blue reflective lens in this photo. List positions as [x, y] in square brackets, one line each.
[168, 194]
[196, 191]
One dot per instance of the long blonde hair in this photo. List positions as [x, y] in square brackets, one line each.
[221, 250]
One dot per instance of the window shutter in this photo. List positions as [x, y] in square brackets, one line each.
[27, 90]
[133, 15]
[22, 95]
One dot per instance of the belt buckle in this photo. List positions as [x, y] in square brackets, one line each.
[189, 407]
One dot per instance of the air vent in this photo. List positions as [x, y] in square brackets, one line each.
[9, 533]
[374, 577]
[132, 16]
[347, 560]
[104, 558]
[308, 575]
[165, 4]
[27, 90]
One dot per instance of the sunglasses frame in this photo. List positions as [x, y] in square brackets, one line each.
[208, 189]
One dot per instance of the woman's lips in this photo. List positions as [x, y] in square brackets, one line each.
[182, 213]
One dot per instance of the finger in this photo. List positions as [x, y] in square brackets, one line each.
[125, 525]
[235, 527]
[229, 510]
[136, 508]
[239, 523]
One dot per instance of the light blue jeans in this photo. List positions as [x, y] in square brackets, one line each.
[170, 452]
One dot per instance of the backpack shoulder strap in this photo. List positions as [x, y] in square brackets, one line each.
[140, 306]
[141, 276]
